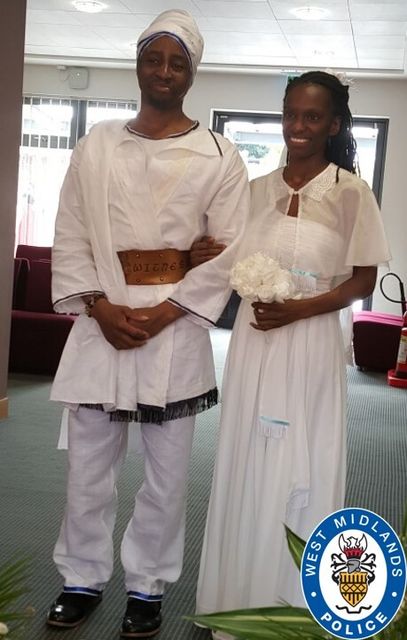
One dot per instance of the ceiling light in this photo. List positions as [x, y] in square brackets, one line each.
[89, 6]
[309, 13]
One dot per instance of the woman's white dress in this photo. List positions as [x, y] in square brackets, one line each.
[282, 441]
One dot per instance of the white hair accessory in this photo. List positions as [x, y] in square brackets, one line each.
[180, 25]
[342, 77]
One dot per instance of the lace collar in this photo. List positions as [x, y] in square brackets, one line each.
[315, 188]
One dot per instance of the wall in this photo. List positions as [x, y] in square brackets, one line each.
[369, 97]
[12, 28]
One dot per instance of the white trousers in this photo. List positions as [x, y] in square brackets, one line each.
[153, 544]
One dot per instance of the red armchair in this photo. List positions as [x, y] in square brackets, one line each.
[376, 338]
[38, 335]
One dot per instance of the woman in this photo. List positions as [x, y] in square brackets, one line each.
[281, 455]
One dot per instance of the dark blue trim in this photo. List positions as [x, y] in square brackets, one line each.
[158, 415]
[144, 596]
[198, 315]
[77, 295]
[216, 142]
[159, 34]
[85, 590]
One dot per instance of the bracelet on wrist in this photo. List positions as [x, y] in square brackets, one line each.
[92, 301]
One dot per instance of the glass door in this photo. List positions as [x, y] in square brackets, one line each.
[371, 138]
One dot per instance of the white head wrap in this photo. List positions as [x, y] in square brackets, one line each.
[179, 25]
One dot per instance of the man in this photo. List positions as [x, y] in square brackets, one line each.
[135, 198]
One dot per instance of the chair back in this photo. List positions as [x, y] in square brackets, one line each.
[33, 253]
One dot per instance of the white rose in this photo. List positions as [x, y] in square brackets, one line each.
[259, 277]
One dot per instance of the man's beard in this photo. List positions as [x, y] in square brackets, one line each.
[164, 103]
[161, 104]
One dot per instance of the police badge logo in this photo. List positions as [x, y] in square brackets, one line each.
[353, 573]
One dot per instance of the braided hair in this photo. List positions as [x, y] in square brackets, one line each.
[340, 149]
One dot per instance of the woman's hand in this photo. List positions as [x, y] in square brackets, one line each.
[116, 324]
[205, 249]
[275, 314]
[271, 315]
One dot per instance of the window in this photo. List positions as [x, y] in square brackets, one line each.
[50, 129]
[97, 110]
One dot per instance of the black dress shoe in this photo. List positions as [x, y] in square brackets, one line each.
[142, 619]
[70, 609]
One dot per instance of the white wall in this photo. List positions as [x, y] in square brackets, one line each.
[381, 98]
[103, 83]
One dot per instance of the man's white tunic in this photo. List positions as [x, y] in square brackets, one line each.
[122, 192]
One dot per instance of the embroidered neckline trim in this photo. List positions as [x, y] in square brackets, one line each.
[194, 125]
[317, 186]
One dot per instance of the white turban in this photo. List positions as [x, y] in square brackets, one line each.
[179, 25]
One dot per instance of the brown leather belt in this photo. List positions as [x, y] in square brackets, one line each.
[161, 266]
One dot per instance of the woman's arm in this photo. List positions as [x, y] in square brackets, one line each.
[272, 315]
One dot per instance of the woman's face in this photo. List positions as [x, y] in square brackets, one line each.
[308, 121]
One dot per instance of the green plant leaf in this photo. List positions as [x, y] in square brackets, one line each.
[271, 623]
[12, 579]
[296, 546]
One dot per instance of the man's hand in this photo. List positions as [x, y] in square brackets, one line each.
[116, 324]
[155, 319]
[270, 315]
[205, 249]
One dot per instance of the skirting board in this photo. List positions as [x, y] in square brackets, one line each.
[3, 408]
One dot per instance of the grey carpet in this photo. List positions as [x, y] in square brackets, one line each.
[32, 486]
[377, 446]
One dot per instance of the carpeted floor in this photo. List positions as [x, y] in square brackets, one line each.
[32, 486]
[377, 446]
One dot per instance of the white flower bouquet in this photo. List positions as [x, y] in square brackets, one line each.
[260, 278]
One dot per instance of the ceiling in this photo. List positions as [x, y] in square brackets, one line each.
[366, 37]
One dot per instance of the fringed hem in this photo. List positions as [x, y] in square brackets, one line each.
[158, 415]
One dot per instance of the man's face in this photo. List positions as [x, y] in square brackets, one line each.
[163, 73]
